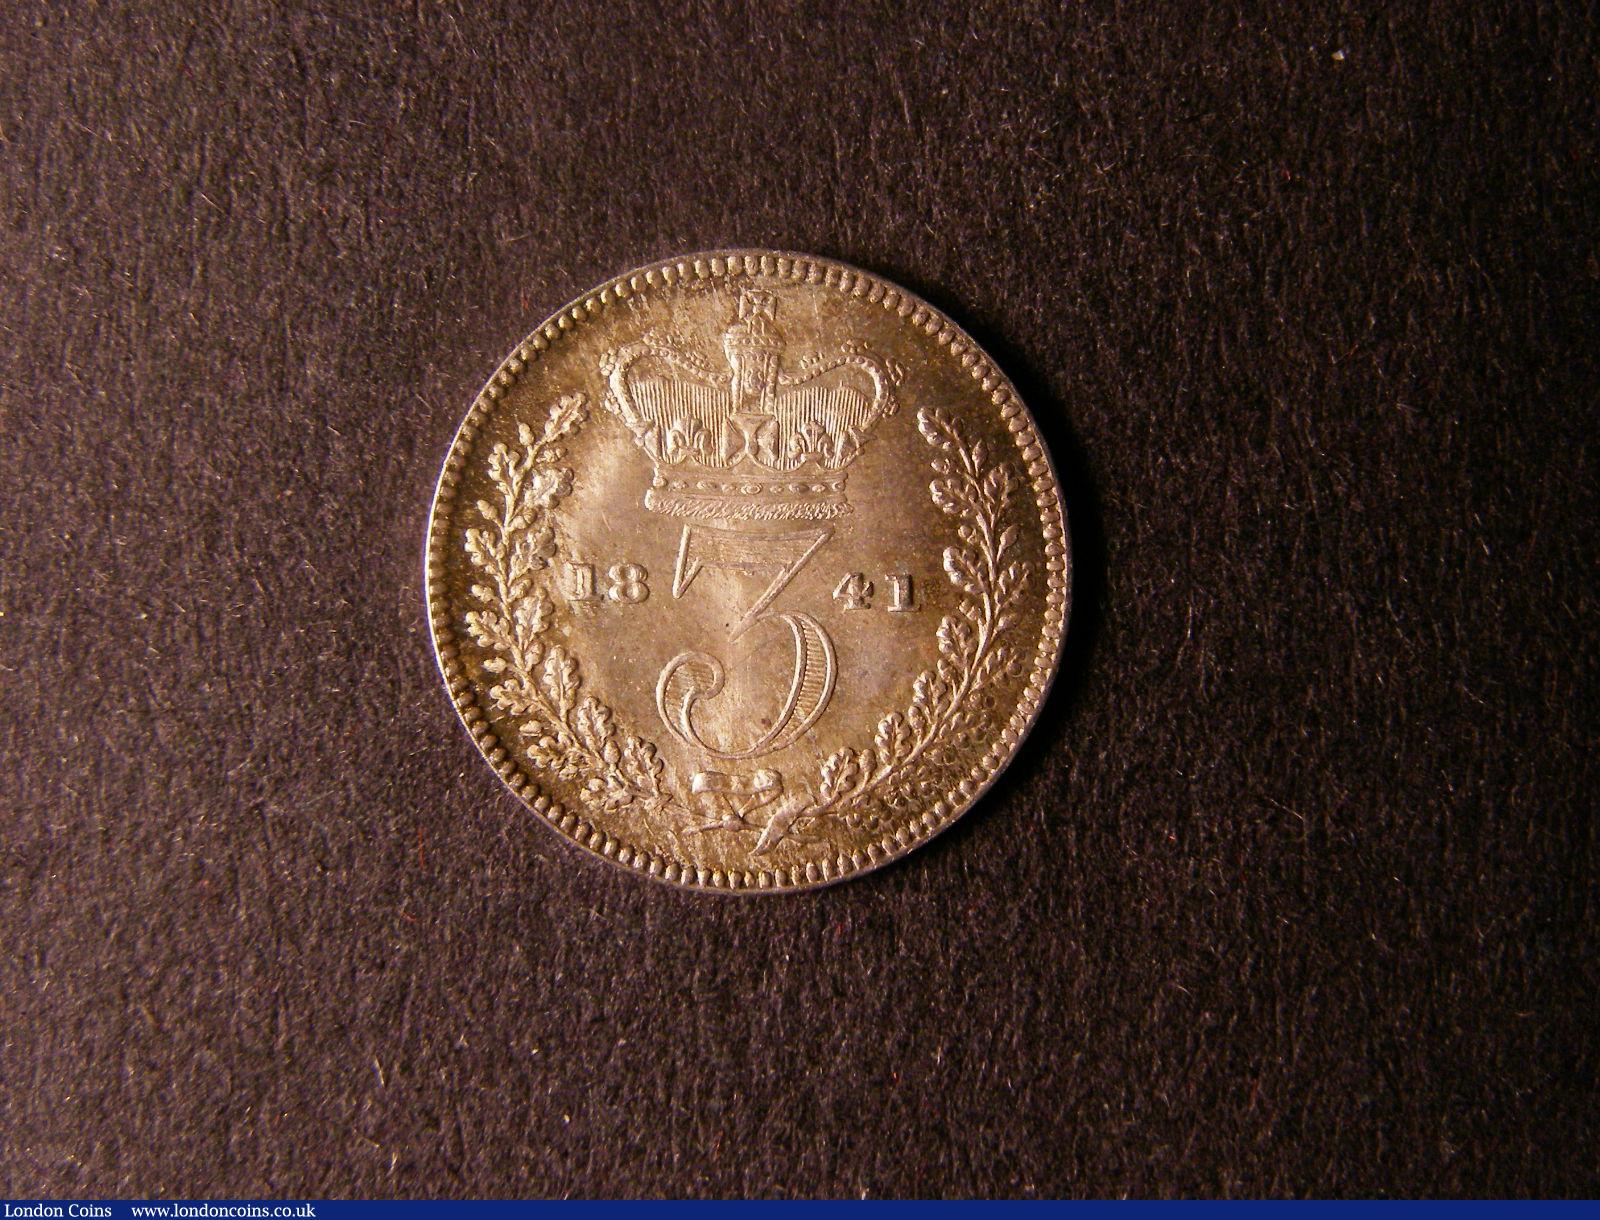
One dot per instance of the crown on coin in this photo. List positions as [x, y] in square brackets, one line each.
[744, 438]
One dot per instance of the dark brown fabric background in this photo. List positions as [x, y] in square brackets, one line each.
[1292, 891]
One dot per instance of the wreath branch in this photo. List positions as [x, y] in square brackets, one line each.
[564, 730]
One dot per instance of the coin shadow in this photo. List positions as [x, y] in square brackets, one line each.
[1038, 756]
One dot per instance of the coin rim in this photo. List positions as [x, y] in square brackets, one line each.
[1048, 499]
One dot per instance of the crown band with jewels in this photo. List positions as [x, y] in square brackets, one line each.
[748, 441]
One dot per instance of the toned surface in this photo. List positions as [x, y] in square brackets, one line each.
[1290, 890]
[799, 466]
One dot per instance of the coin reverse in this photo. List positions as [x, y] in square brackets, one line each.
[748, 571]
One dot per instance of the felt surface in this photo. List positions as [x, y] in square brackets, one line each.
[1292, 890]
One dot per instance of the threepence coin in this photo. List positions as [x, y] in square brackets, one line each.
[748, 571]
